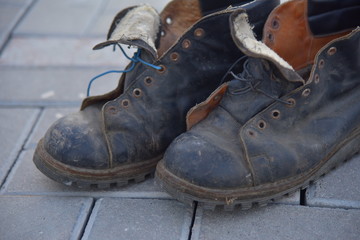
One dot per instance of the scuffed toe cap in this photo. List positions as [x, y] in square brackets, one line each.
[199, 161]
[77, 140]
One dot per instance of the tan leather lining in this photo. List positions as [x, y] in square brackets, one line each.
[286, 31]
[176, 18]
[183, 14]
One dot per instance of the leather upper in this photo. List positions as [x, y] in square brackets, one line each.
[150, 111]
[251, 139]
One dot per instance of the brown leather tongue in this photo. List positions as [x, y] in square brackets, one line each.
[176, 18]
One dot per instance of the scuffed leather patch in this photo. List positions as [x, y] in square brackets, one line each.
[200, 111]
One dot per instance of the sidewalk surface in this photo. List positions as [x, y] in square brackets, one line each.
[46, 62]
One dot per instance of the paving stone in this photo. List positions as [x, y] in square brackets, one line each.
[15, 2]
[138, 219]
[339, 188]
[29, 217]
[66, 17]
[57, 52]
[47, 118]
[51, 85]
[102, 22]
[293, 198]
[278, 222]
[26, 179]
[10, 13]
[15, 126]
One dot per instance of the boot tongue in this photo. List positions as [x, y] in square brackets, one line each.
[257, 87]
[244, 38]
[137, 26]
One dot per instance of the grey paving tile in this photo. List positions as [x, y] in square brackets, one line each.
[10, 14]
[278, 222]
[29, 217]
[293, 199]
[47, 118]
[15, 126]
[101, 23]
[138, 219]
[339, 188]
[66, 17]
[57, 52]
[15, 2]
[50, 85]
[26, 179]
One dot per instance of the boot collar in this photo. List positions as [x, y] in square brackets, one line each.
[137, 26]
[243, 36]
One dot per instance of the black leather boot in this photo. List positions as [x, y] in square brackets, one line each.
[122, 135]
[273, 131]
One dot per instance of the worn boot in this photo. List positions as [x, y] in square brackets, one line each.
[121, 136]
[273, 131]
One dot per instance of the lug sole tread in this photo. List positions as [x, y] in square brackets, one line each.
[104, 181]
[241, 204]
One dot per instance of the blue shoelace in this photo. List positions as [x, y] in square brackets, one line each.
[135, 59]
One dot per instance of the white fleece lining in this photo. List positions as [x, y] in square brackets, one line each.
[142, 23]
[245, 35]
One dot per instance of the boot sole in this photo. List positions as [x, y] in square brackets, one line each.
[246, 198]
[90, 178]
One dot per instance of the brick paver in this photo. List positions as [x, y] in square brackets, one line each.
[38, 217]
[15, 126]
[139, 219]
[278, 222]
[339, 188]
[11, 12]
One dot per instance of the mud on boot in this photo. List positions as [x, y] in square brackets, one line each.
[121, 135]
[273, 131]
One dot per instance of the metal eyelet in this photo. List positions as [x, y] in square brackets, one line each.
[292, 102]
[331, 51]
[199, 32]
[317, 78]
[148, 80]
[261, 124]
[275, 24]
[162, 69]
[321, 63]
[275, 114]
[186, 43]
[270, 36]
[306, 92]
[162, 33]
[174, 56]
[137, 92]
[125, 103]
